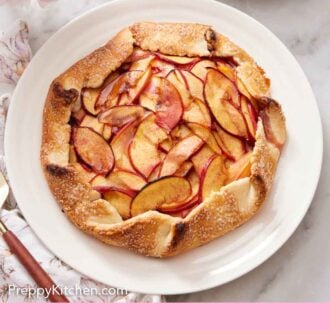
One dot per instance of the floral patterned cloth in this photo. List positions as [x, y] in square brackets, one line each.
[15, 283]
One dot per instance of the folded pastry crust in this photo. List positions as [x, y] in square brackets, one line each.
[153, 233]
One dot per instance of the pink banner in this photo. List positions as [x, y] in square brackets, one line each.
[165, 316]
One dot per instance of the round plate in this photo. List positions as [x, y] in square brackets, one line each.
[225, 258]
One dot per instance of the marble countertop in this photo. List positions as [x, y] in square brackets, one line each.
[300, 270]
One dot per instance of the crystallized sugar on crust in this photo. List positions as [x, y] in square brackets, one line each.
[153, 233]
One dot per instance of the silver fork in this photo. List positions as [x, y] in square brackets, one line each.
[27, 260]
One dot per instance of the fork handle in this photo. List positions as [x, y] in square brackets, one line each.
[32, 266]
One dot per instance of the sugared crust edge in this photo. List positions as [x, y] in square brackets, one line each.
[153, 233]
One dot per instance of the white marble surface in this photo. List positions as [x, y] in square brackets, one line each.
[300, 270]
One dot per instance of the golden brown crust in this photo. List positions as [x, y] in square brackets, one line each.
[172, 39]
[153, 233]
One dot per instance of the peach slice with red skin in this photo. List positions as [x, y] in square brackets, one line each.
[195, 85]
[121, 201]
[138, 54]
[126, 180]
[240, 169]
[213, 176]
[143, 151]
[206, 134]
[93, 123]
[180, 60]
[101, 184]
[201, 68]
[223, 100]
[219, 87]
[250, 115]
[93, 150]
[154, 175]
[161, 68]
[167, 144]
[197, 112]
[177, 79]
[142, 63]
[179, 154]
[232, 146]
[184, 168]
[120, 145]
[89, 98]
[107, 132]
[201, 158]
[190, 202]
[121, 115]
[227, 70]
[164, 100]
[180, 132]
[157, 194]
[272, 120]
[110, 94]
[79, 115]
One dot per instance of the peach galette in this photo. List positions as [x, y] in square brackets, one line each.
[163, 139]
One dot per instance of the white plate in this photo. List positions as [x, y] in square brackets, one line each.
[219, 261]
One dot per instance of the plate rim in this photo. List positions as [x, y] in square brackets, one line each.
[265, 254]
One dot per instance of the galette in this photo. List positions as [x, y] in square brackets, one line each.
[163, 139]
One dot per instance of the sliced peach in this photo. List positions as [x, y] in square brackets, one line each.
[273, 123]
[142, 63]
[184, 168]
[107, 132]
[110, 94]
[149, 129]
[213, 176]
[121, 201]
[87, 174]
[154, 175]
[120, 145]
[100, 183]
[93, 123]
[143, 151]
[121, 115]
[195, 84]
[243, 90]
[89, 98]
[194, 180]
[179, 154]
[200, 69]
[126, 180]
[161, 68]
[149, 98]
[135, 92]
[201, 158]
[138, 54]
[180, 132]
[197, 112]
[79, 115]
[206, 134]
[93, 150]
[227, 70]
[231, 145]
[177, 59]
[167, 144]
[222, 97]
[164, 191]
[166, 102]
[240, 169]
[219, 87]
[250, 115]
[176, 78]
